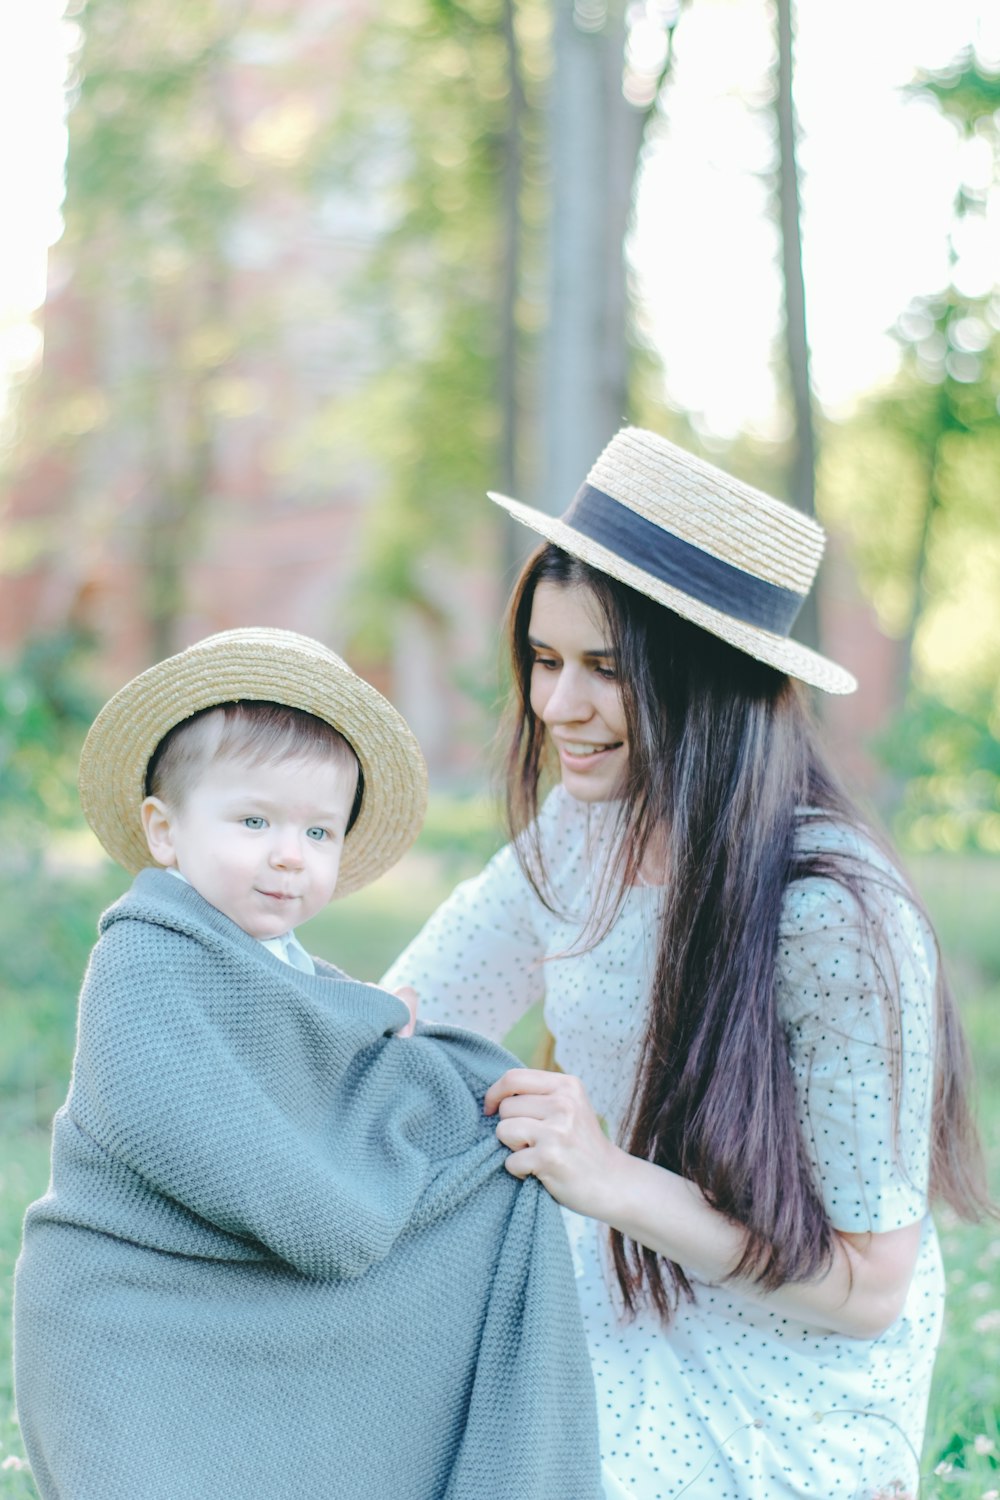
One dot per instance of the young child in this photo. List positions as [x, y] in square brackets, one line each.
[279, 1255]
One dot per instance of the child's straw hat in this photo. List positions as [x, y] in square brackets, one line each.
[715, 550]
[275, 666]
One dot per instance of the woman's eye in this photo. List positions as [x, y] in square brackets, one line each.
[254, 823]
[317, 834]
[608, 673]
[548, 662]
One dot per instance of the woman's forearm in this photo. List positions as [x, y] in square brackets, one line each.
[859, 1295]
[553, 1133]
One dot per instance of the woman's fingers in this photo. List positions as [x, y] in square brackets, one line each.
[523, 1164]
[519, 1133]
[521, 1081]
[535, 1109]
[545, 1124]
[530, 1106]
[549, 1127]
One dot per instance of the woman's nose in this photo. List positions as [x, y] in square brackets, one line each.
[568, 702]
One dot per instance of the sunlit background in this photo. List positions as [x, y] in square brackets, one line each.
[294, 318]
[33, 44]
[880, 173]
[286, 285]
[286, 327]
[880, 168]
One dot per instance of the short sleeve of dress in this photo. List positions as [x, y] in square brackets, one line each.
[478, 962]
[857, 1000]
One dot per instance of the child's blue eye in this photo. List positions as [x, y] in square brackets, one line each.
[317, 834]
[255, 823]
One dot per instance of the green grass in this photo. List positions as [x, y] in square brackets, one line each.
[47, 924]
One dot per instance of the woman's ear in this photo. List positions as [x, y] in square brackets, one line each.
[157, 824]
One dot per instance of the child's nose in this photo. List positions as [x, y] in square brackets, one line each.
[287, 850]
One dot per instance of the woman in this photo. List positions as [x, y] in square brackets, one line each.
[740, 986]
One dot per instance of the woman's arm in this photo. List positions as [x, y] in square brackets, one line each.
[479, 961]
[549, 1125]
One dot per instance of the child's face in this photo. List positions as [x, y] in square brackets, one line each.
[261, 843]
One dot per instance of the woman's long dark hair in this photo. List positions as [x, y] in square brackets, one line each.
[722, 754]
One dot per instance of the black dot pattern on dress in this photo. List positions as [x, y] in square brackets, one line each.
[731, 1401]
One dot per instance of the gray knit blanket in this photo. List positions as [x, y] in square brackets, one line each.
[279, 1257]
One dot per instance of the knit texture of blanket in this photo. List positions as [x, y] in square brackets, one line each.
[279, 1257]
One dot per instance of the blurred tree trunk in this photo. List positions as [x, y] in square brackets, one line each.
[155, 182]
[179, 428]
[510, 274]
[178, 474]
[921, 590]
[802, 483]
[594, 141]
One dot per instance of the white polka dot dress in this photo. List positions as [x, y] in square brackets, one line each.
[731, 1401]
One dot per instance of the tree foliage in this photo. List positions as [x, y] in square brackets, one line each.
[189, 130]
[458, 150]
[153, 188]
[915, 479]
[429, 148]
[948, 763]
[44, 714]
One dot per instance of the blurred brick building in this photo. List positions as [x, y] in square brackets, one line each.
[187, 460]
[184, 464]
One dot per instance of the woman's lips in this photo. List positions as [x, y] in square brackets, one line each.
[585, 752]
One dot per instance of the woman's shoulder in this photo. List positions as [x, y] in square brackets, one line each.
[855, 950]
[849, 884]
[834, 855]
[822, 832]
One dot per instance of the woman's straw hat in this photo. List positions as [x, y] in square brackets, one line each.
[715, 550]
[275, 666]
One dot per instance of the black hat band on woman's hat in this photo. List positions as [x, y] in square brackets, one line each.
[682, 565]
[699, 541]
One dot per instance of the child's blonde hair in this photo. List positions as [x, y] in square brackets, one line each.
[252, 732]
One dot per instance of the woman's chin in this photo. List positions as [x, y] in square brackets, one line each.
[586, 786]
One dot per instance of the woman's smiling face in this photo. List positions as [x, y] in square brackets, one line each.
[575, 690]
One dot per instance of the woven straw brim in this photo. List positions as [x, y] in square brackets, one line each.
[261, 665]
[775, 650]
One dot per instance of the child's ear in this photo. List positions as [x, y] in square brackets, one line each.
[157, 825]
